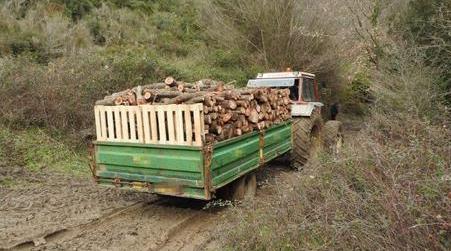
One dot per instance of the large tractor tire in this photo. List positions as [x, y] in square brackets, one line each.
[333, 137]
[306, 139]
[244, 188]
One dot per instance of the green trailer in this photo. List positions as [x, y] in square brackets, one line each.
[195, 170]
[188, 171]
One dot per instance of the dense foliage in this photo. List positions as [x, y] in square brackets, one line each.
[427, 24]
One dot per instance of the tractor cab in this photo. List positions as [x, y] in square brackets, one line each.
[303, 89]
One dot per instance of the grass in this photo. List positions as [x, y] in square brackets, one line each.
[36, 150]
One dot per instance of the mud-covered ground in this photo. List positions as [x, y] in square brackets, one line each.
[49, 211]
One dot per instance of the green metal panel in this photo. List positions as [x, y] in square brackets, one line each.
[157, 168]
[277, 141]
[233, 158]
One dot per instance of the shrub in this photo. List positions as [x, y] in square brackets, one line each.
[388, 190]
[277, 34]
[35, 150]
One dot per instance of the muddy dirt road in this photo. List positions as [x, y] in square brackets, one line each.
[47, 211]
[55, 212]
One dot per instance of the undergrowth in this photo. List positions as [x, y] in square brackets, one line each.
[389, 189]
[38, 151]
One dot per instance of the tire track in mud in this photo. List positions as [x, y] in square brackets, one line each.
[191, 234]
[62, 233]
[161, 224]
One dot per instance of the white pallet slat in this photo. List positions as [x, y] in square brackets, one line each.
[117, 123]
[197, 127]
[153, 125]
[161, 125]
[179, 125]
[170, 124]
[97, 114]
[188, 125]
[125, 124]
[146, 125]
[103, 123]
[110, 123]
[202, 123]
[139, 124]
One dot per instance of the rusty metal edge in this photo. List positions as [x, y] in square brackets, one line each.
[208, 154]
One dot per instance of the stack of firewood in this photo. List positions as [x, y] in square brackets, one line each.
[228, 112]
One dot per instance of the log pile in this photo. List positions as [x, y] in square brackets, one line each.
[228, 112]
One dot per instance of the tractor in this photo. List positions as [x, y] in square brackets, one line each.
[309, 132]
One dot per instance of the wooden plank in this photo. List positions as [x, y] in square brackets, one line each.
[117, 123]
[146, 124]
[188, 125]
[202, 123]
[103, 123]
[109, 116]
[179, 125]
[131, 114]
[161, 125]
[197, 127]
[170, 123]
[139, 124]
[124, 120]
[97, 121]
[153, 125]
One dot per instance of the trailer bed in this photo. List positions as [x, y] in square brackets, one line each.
[184, 170]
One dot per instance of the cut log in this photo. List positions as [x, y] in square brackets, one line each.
[253, 116]
[170, 81]
[119, 100]
[195, 100]
[226, 117]
[229, 104]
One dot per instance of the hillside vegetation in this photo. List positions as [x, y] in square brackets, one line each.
[385, 61]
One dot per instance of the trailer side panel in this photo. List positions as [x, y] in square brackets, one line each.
[176, 171]
[235, 157]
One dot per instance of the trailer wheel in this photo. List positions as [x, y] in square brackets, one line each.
[250, 186]
[240, 189]
[333, 136]
[306, 139]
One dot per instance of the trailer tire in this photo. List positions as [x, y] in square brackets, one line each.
[250, 185]
[242, 188]
[306, 139]
[333, 137]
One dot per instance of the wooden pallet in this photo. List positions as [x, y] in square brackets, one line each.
[151, 124]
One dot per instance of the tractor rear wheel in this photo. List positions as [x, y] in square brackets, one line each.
[333, 137]
[306, 139]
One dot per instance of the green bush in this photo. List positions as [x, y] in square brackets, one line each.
[35, 150]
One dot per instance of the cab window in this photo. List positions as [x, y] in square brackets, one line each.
[294, 91]
[308, 90]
